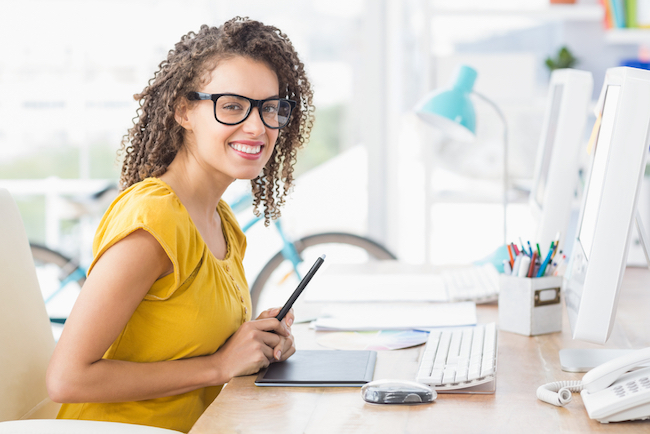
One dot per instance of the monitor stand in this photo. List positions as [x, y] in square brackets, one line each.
[583, 359]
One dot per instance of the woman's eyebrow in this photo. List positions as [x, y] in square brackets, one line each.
[239, 94]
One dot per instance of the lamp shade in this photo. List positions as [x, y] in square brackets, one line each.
[452, 110]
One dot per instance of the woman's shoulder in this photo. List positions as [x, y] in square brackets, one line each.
[149, 204]
[147, 199]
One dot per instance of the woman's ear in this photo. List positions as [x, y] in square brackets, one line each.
[181, 114]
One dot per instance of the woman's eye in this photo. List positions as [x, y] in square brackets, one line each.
[231, 107]
[270, 108]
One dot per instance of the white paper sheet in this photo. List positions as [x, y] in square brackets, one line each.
[377, 287]
[397, 317]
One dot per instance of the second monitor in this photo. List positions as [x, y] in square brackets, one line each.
[556, 166]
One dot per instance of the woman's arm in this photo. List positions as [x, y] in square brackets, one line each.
[118, 283]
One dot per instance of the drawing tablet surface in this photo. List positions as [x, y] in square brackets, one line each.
[321, 368]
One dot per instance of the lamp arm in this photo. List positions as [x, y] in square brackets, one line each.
[505, 159]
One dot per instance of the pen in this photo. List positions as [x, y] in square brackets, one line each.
[523, 248]
[557, 243]
[542, 268]
[539, 252]
[303, 283]
[530, 249]
[531, 269]
[512, 260]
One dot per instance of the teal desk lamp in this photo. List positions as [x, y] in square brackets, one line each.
[451, 111]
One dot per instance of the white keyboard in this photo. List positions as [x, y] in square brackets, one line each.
[459, 357]
[479, 284]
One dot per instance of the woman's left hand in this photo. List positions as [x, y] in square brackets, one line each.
[286, 347]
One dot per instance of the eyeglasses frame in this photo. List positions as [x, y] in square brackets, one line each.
[199, 96]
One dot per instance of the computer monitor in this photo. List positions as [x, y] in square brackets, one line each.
[608, 210]
[556, 167]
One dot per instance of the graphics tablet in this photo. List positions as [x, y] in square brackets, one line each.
[321, 368]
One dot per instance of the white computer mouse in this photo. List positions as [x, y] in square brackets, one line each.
[397, 392]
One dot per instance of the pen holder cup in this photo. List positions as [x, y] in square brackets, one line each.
[530, 306]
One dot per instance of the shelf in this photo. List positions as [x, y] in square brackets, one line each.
[627, 36]
[548, 13]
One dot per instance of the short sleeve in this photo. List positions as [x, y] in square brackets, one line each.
[153, 207]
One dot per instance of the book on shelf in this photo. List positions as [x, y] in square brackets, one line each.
[626, 14]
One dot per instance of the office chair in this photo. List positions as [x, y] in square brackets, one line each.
[27, 343]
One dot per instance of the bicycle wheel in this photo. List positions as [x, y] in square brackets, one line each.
[338, 246]
[60, 279]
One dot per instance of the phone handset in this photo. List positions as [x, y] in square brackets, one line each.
[604, 375]
[559, 393]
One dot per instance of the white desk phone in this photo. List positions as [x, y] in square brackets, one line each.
[615, 391]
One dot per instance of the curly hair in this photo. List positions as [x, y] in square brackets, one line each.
[155, 138]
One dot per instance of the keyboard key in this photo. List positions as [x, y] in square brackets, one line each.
[474, 373]
[454, 347]
[449, 376]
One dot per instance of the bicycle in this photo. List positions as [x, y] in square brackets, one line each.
[65, 274]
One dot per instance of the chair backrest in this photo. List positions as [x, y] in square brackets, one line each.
[26, 340]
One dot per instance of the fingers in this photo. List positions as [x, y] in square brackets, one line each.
[271, 325]
[288, 353]
[288, 319]
[269, 313]
[284, 349]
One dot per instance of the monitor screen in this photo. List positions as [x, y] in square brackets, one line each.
[556, 176]
[598, 170]
[598, 260]
[551, 129]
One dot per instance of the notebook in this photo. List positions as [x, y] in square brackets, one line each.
[321, 368]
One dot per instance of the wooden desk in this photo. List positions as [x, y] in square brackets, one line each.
[524, 363]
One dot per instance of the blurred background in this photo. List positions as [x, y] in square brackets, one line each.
[69, 69]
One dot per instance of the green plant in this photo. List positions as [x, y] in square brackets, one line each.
[564, 59]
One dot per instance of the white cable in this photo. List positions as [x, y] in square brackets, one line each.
[559, 392]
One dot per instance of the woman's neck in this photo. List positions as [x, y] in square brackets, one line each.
[197, 190]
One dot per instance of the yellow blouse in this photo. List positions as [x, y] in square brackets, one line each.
[188, 313]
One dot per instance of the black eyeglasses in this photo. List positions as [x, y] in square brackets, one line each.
[231, 109]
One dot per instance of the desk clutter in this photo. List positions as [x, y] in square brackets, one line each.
[530, 262]
[530, 289]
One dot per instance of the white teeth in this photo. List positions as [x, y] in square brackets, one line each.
[247, 149]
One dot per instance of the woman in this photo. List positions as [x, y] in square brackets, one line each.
[163, 320]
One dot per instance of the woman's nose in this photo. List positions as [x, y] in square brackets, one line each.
[253, 124]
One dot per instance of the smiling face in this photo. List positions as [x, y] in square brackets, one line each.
[230, 152]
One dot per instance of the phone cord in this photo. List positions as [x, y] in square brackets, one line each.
[559, 392]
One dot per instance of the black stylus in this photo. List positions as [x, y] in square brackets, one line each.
[305, 280]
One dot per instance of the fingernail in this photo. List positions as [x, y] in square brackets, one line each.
[289, 322]
[278, 355]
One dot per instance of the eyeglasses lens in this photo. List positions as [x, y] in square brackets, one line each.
[231, 109]
[276, 113]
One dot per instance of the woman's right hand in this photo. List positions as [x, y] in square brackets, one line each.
[250, 348]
